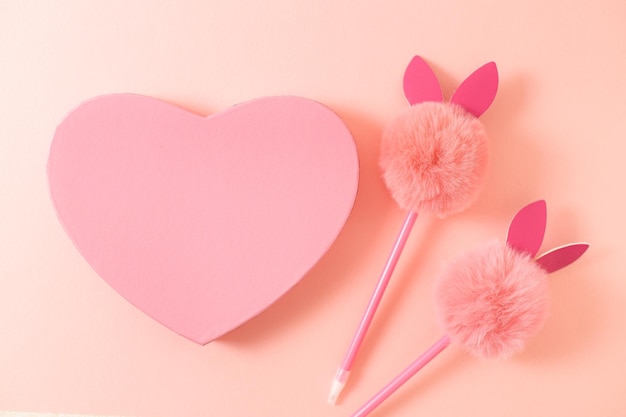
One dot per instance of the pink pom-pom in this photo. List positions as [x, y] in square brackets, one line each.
[492, 300]
[434, 157]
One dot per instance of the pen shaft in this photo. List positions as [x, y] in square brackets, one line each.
[403, 377]
[366, 320]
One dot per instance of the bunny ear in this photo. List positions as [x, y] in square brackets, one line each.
[560, 257]
[477, 92]
[528, 227]
[420, 83]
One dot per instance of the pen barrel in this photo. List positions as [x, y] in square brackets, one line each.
[385, 276]
[403, 377]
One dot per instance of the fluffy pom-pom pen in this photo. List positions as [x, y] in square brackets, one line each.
[433, 157]
[492, 300]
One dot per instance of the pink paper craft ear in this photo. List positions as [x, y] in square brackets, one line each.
[420, 83]
[477, 92]
[526, 233]
[528, 228]
[560, 257]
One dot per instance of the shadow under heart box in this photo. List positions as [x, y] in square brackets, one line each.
[202, 222]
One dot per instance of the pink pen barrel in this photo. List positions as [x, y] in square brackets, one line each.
[381, 286]
[403, 377]
[344, 371]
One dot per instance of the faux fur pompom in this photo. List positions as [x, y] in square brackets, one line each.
[434, 157]
[492, 300]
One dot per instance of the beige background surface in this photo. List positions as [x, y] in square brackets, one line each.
[71, 344]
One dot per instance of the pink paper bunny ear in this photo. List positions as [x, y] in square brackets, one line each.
[477, 92]
[528, 228]
[420, 83]
[560, 257]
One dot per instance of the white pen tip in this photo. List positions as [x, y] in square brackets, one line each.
[335, 390]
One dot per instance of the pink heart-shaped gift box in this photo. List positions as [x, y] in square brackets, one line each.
[202, 222]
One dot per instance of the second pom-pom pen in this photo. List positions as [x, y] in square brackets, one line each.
[492, 300]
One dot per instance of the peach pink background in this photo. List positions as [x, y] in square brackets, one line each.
[558, 126]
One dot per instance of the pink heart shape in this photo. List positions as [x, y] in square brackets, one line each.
[202, 222]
